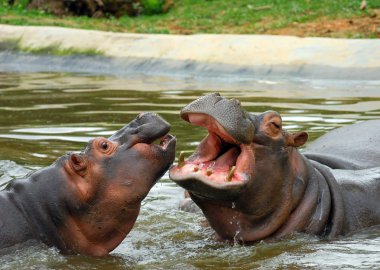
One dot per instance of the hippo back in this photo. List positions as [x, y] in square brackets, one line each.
[349, 147]
[360, 193]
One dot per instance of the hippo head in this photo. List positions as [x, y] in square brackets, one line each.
[244, 171]
[111, 178]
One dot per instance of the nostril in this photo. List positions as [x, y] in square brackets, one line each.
[141, 115]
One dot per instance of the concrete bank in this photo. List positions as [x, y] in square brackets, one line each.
[197, 55]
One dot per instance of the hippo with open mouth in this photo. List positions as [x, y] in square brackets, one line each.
[251, 182]
[88, 202]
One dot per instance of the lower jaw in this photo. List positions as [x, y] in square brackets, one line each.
[203, 187]
[208, 172]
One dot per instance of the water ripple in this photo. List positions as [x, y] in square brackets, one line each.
[42, 116]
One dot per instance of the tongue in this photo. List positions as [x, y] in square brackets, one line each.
[228, 159]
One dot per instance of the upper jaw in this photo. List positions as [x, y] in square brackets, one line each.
[145, 128]
[226, 112]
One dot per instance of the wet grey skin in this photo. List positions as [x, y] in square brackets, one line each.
[252, 183]
[88, 202]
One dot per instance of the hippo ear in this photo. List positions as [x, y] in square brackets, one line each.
[78, 163]
[296, 139]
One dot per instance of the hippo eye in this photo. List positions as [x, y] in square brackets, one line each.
[275, 124]
[104, 145]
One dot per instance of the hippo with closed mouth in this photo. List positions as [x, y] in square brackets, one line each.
[252, 183]
[88, 202]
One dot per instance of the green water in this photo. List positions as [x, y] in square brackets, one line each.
[42, 116]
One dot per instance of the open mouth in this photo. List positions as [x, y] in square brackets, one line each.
[162, 144]
[167, 141]
[158, 143]
[219, 161]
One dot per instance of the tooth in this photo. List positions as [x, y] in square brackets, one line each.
[196, 168]
[231, 173]
[208, 172]
[181, 159]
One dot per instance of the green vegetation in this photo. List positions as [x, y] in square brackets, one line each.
[153, 6]
[14, 45]
[341, 18]
[57, 50]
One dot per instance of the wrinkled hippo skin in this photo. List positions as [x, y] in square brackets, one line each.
[88, 202]
[252, 183]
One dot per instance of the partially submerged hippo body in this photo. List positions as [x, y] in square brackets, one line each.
[88, 202]
[252, 183]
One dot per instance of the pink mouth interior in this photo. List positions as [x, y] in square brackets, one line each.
[164, 141]
[219, 158]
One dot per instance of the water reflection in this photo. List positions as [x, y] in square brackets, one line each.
[42, 116]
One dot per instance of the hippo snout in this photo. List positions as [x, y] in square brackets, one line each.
[145, 128]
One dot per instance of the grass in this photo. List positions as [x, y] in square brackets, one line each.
[57, 50]
[14, 45]
[212, 16]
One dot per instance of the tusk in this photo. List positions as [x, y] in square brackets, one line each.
[181, 159]
[231, 173]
